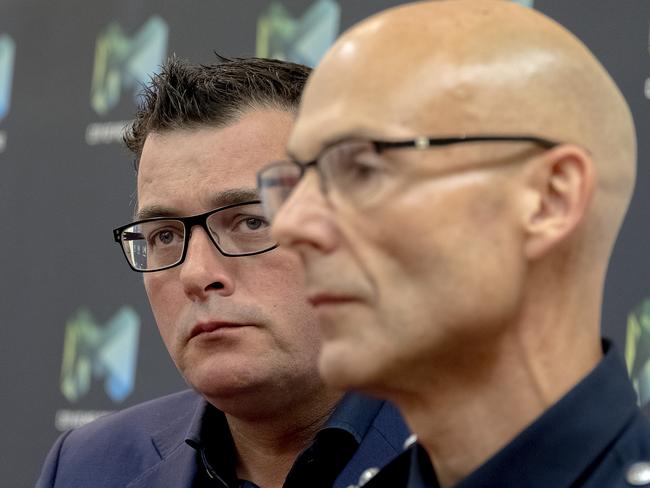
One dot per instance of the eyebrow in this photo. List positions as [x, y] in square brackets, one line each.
[221, 199]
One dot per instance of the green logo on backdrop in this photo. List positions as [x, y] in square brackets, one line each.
[637, 350]
[304, 40]
[123, 63]
[106, 352]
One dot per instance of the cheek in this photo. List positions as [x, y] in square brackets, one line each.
[163, 296]
[440, 251]
[276, 275]
[276, 283]
[441, 224]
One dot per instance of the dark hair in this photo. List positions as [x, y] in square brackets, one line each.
[185, 95]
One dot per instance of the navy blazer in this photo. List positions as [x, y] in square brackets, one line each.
[144, 446]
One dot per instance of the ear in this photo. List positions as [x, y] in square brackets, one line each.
[560, 185]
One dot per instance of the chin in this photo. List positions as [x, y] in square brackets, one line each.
[358, 368]
[227, 377]
[243, 399]
[344, 367]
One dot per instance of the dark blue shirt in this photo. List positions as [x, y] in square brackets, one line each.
[595, 436]
[317, 466]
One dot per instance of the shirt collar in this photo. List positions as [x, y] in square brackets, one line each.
[563, 443]
[209, 424]
[354, 414]
[208, 433]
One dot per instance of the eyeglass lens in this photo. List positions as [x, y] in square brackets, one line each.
[347, 166]
[160, 243]
[276, 184]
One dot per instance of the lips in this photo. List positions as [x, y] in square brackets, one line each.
[323, 299]
[207, 327]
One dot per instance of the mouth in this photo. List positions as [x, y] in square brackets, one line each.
[214, 328]
[329, 299]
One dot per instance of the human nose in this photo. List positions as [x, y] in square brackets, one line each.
[203, 271]
[304, 221]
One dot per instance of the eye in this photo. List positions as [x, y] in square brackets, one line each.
[352, 162]
[247, 223]
[164, 237]
[254, 223]
[359, 170]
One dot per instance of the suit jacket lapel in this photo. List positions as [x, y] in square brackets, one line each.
[178, 461]
[177, 470]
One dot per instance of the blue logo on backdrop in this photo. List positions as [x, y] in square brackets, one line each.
[525, 3]
[305, 40]
[7, 53]
[647, 81]
[123, 63]
[106, 352]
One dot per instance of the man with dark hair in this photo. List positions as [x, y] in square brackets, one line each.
[229, 305]
[460, 172]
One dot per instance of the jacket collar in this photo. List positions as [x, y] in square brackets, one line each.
[357, 414]
[178, 463]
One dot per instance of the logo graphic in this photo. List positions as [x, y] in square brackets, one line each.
[646, 88]
[7, 53]
[304, 41]
[525, 3]
[122, 63]
[637, 350]
[106, 352]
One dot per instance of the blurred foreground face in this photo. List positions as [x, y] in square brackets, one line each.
[419, 257]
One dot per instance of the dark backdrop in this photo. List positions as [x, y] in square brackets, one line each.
[76, 334]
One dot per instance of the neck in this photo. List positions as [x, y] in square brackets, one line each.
[268, 446]
[469, 410]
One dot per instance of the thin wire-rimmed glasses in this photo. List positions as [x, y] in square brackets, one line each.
[349, 166]
[240, 229]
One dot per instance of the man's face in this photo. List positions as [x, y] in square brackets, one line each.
[427, 270]
[236, 327]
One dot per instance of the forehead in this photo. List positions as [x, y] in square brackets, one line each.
[357, 95]
[185, 171]
[434, 68]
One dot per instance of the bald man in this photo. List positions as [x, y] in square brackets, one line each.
[473, 164]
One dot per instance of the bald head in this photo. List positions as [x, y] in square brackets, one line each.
[474, 67]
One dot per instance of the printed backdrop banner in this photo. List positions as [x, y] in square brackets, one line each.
[77, 338]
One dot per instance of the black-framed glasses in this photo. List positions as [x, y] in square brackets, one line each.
[351, 166]
[240, 229]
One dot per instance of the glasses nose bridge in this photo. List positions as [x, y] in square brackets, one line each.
[305, 167]
[200, 221]
[308, 194]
